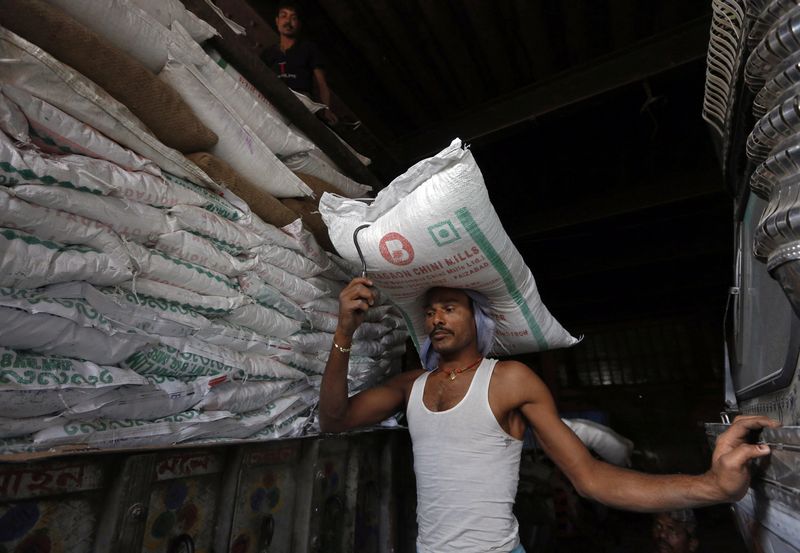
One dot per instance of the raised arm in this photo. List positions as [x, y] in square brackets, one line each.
[337, 412]
[726, 481]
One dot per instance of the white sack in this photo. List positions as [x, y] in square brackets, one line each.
[105, 433]
[200, 251]
[311, 164]
[269, 368]
[288, 260]
[295, 288]
[32, 385]
[57, 132]
[127, 26]
[187, 357]
[240, 338]
[30, 320]
[30, 262]
[270, 234]
[244, 425]
[159, 396]
[134, 221]
[161, 267]
[272, 131]
[167, 11]
[321, 343]
[12, 428]
[238, 144]
[226, 235]
[264, 320]
[87, 174]
[241, 397]
[270, 296]
[12, 120]
[290, 422]
[134, 312]
[613, 447]
[435, 226]
[225, 204]
[247, 85]
[205, 305]
[31, 69]
[67, 228]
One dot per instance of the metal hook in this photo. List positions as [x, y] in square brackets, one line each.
[358, 249]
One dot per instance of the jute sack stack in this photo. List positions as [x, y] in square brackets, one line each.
[262, 203]
[127, 80]
[435, 226]
[308, 208]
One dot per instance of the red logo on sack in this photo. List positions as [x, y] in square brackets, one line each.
[396, 249]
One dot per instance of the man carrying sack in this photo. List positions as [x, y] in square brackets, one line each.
[433, 242]
[467, 416]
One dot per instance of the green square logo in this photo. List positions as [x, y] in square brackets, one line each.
[443, 233]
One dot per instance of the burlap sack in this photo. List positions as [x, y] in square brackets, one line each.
[308, 210]
[127, 80]
[263, 204]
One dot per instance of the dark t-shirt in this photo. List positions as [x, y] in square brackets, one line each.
[295, 66]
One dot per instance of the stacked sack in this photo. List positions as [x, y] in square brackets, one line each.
[142, 303]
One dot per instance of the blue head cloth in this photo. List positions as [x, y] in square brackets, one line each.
[484, 323]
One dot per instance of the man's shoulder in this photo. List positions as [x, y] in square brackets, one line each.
[514, 373]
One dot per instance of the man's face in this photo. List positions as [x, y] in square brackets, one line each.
[449, 320]
[672, 536]
[287, 22]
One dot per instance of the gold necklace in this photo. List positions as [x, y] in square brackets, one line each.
[455, 372]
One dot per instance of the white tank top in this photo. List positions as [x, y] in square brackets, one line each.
[467, 471]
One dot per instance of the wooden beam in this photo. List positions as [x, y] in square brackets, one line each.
[655, 55]
[237, 52]
[627, 200]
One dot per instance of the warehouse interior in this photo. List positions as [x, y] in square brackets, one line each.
[585, 118]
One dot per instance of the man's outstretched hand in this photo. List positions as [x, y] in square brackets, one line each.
[730, 462]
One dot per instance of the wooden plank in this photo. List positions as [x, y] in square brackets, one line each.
[254, 70]
[649, 57]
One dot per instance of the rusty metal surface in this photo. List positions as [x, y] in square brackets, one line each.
[311, 495]
[263, 519]
[182, 507]
[50, 524]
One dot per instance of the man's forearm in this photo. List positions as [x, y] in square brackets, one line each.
[636, 491]
[333, 394]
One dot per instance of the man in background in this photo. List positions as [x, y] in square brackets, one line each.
[297, 61]
[675, 532]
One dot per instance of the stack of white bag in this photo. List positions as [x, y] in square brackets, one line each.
[164, 253]
[288, 143]
[138, 307]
